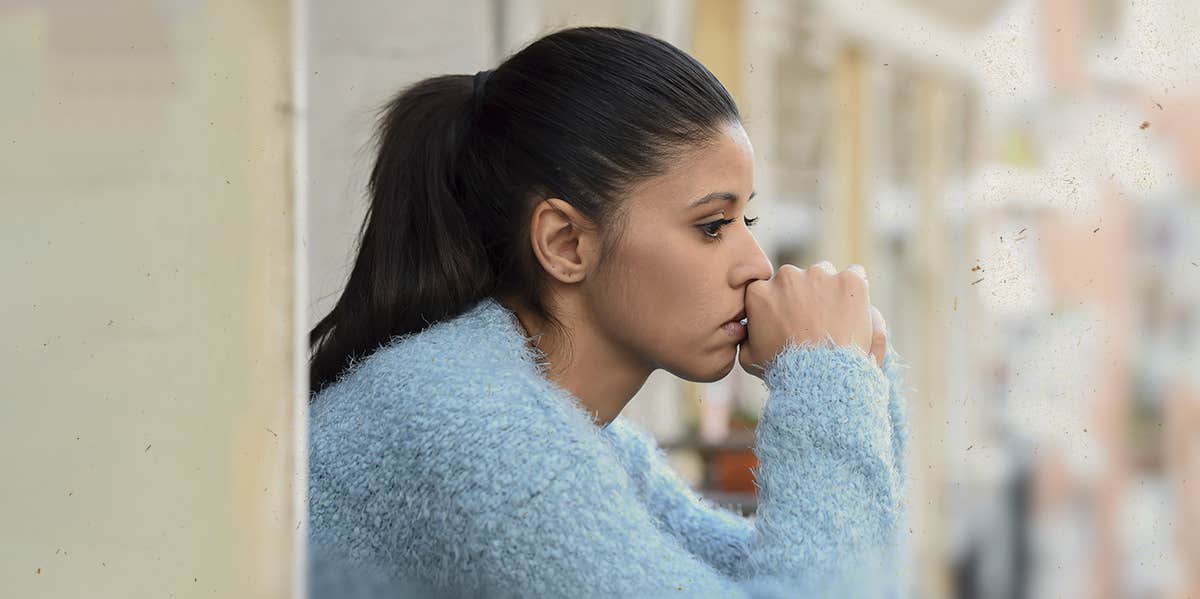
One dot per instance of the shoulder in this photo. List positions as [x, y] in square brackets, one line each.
[462, 358]
[633, 443]
[456, 409]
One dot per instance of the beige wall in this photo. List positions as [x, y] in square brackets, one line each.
[145, 178]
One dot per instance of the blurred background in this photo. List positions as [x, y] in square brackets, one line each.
[183, 182]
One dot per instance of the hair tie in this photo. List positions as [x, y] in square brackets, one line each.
[481, 78]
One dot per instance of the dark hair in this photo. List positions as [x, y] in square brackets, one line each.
[581, 114]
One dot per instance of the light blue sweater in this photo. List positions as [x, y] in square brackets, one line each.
[446, 464]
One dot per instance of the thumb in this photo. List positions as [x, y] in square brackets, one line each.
[746, 359]
[878, 336]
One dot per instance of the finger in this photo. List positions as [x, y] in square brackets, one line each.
[879, 336]
[826, 266]
[859, 270]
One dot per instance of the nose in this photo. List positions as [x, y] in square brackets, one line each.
[753, 265]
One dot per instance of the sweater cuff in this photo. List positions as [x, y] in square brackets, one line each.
[835, 398]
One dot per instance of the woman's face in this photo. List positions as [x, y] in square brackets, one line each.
[677, 276]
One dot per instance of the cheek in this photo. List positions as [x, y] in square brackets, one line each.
[665, 272]
[671, 288]
[623, 298]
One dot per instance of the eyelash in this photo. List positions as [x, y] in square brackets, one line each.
[712, 230]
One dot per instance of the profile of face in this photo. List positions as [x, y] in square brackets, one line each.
[677, 273]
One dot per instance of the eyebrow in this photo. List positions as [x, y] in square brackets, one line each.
[726, 196]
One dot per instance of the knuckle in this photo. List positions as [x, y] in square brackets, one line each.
[790, 273]
[852, 281]
[757, 289]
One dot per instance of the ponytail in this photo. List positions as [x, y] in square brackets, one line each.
[418, 257]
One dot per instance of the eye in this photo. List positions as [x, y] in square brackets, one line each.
[712, 230]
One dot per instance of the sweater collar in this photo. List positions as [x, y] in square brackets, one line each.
[507, 331]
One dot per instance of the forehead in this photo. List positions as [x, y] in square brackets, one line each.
[725, 164]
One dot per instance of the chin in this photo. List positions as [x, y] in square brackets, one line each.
[707, 373]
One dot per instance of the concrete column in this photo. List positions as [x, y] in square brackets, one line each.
[149, 378]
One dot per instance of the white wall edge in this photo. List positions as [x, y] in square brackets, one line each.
[299, 62]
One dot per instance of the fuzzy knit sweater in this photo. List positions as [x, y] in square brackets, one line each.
[446, 464]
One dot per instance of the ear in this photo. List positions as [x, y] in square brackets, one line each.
[564, 241]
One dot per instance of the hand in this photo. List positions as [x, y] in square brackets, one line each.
[810, 305]
[879, 336]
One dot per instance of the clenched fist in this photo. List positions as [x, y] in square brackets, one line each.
[816, 305]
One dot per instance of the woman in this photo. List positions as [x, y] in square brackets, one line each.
[541, 238]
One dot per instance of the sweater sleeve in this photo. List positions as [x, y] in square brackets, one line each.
[719, 536]
[558, 518]
[893, 369]
[830, 496]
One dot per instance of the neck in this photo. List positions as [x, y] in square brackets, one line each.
[588, 365]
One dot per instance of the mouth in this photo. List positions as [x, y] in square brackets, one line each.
[736, 327]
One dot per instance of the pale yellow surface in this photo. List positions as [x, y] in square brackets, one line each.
[146, 247]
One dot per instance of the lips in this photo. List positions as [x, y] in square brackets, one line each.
[740, 316]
